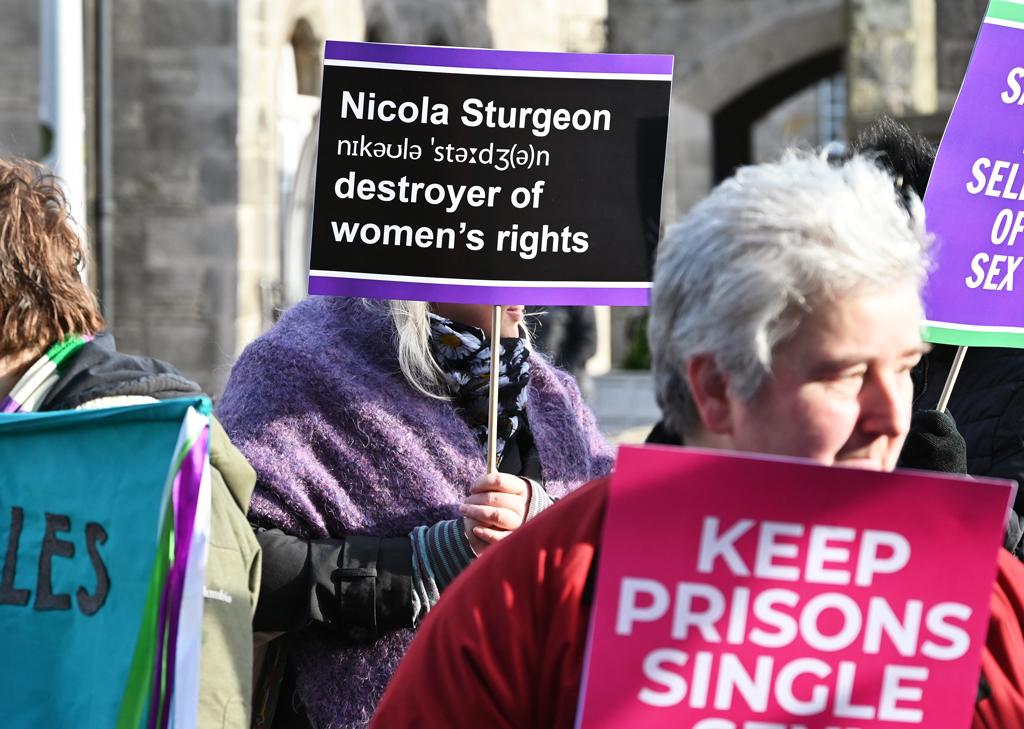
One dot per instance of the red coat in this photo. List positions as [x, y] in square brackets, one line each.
[504, 648]
[1002, 663]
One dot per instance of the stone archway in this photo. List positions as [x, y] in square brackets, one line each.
[764, 64]
[733, 61]
[295, 29]
[719, 93]
[761, 51]
[758, 68]
[732, 124]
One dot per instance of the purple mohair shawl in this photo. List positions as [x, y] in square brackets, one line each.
[343, 444]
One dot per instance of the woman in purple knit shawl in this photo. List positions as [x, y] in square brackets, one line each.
[366, 424]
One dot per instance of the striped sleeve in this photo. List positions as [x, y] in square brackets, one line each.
[540, 499]
[439, 553]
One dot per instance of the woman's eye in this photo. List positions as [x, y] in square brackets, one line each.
[847, 382]
[908, 366]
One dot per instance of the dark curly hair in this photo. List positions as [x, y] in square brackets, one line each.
[42, 296]
[908, 156]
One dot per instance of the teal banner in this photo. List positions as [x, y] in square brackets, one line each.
[83, 498]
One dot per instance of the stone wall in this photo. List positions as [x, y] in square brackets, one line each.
[891, 58]
[175, 181]
[540, 25]
[175, 178]
[19, 83]
[429, 22]
[265, 29]
[947, 31]
[957, 25]
[197, 164]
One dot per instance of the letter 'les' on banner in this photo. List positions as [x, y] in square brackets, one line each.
[488, 177]
[768, 592]
[975, 196]
[88, 502]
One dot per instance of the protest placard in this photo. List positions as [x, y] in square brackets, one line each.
[104, 519]
[975, 197]
[761, 593]
[488, 177]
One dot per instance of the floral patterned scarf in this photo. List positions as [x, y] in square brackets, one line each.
[464, 354]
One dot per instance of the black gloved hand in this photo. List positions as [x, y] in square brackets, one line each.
[934, 444]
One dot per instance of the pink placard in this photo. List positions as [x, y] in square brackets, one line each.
[739, 592]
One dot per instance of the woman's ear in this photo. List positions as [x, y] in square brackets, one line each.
[710, 390]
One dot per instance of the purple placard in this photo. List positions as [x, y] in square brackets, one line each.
[503, 60]
[966, 301]
[495, 295]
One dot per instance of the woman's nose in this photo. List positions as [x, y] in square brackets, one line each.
[885, 404]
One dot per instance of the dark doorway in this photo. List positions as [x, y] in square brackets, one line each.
[733, 123]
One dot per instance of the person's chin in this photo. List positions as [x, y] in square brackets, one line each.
[865, 463]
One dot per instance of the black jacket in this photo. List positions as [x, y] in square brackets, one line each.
[358, 586]
[987, 403]
[99, 370]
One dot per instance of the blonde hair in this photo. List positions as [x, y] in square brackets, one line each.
[412, 330]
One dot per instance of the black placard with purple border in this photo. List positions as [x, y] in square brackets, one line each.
[489, 177]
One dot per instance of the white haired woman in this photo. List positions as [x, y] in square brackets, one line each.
[366, 424]
[785, 320]
[748, 290]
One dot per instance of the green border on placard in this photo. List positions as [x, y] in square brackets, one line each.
[1004, 10]
[971, 338]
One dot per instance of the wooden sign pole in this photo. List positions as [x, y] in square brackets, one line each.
[492, 410]
[947, 389]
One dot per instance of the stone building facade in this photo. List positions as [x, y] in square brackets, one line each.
[215, 101]
[926, 47]
[749, 74]
[19, 87]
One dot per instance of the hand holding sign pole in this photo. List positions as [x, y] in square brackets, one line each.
[975, 199]
[488, 177]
